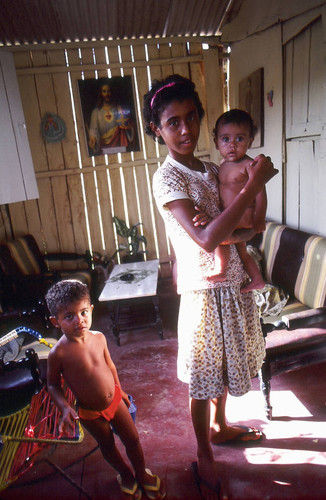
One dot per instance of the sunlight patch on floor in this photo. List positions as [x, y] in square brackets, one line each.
[251, 406]
[284, 456]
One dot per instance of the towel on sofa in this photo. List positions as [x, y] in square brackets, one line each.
[271, 299]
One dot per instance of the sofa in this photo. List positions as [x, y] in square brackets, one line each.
[293, 262]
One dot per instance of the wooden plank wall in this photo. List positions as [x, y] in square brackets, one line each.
[78, 194]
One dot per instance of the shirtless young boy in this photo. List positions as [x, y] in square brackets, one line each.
[82, 357]
[233, 135]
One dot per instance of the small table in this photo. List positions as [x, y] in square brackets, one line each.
[131, 288]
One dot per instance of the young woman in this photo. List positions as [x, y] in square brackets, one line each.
[221, 346]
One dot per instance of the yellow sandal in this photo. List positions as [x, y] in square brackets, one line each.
[135, 492]
[153, 491]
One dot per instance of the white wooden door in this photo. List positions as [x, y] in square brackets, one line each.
[18, 181]
[305, 179]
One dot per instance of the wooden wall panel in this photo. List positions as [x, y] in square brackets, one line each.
[155, 74]
[145, 200]
[33, 220]
[108, 246]
[78, 212]
[18, 219]
[79, 194]
[160, 227]
[5, 228]
[78, 152]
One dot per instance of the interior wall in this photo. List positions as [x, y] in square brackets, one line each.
[264, 50]
[78, 194]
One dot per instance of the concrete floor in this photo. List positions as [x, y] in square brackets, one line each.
[289, 463]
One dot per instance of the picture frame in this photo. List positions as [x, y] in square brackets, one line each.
[109, 115]
[251, 99]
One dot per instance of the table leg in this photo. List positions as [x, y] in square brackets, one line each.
[116, 328]
[158, 320]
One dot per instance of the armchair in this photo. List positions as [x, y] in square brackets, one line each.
[26, 273]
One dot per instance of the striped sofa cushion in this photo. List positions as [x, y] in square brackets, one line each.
[269, 247]
[23, 256]
[310, 287]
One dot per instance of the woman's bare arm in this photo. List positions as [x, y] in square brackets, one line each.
[219, 230]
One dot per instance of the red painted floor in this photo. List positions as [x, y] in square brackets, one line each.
[289, 463]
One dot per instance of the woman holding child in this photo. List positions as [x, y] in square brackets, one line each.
[221, 346]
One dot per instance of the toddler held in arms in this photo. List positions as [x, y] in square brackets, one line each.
[82, 357]
[233, 135]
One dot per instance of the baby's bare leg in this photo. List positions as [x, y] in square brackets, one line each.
[251, 268]
[221, 259]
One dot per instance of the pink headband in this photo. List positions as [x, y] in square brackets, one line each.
[159, 90]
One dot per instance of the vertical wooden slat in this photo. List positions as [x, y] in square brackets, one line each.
[33, 220]
[165, 53]
[113, 58]
[160, 226]
[301, 77]
[288, 50]
[145, 200]
[5, 229]
[74, 59]
[117, 196]
[197, 76]
[179, 50]
[105, 203]
[125, 54]
[78, 212]
[155, 74]
[64, 109]
[140, 87]
[317, 74]
[48, 214]
[18, 218]
[292, 192]
[214, 92]
[130, 190]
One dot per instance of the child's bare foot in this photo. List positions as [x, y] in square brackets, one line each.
[236, 434]
[153, 486]
[255, 284]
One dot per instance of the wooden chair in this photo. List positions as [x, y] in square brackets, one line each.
[29, 420]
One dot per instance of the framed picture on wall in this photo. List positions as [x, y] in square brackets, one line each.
[108, 108]
[251, 99]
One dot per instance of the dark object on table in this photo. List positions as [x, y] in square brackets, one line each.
[127, 277]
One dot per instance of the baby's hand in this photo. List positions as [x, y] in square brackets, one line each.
[125, 398]
[201, 219]
[69, 416]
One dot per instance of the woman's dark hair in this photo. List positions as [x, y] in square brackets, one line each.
[172, 88]
[237, 116]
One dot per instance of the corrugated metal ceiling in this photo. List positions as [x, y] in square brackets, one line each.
[49, 21]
